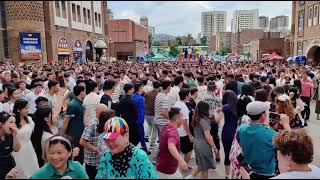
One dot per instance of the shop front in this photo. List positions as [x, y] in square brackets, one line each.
[77, 52]
[100, 47]
[63, 50]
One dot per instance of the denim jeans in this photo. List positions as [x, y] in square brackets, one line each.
[151, 131]
[156, 151]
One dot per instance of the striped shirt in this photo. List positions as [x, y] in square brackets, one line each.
[162, 102]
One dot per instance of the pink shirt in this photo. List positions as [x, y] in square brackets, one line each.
[306, 87]
[166, 163]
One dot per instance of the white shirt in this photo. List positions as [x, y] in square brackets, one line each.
[220, 85]
[90, 103]
[72, 83]
[49, 97]
[147, 88]
[31, 98]
[185, 111]
[202, 91]
[280, 82]
[174, 95]
[1, 107]
[313, 174]
[8, 107]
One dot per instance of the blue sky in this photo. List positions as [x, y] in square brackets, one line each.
[183, 17]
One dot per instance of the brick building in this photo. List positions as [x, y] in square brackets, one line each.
[268, 45]
[223, 39]
[212, 43]
[246, 36]
[305, 29]
[69, 30]
[128, 38]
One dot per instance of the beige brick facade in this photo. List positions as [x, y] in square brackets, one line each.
[306, 38]
[38, 16]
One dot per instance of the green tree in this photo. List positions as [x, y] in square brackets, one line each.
[203, 41]
[156, 43]
[224, 49]
[174, 51]
[179, 41]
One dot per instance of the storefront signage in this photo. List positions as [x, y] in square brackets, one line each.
[301, 23]
[299, 48]
[30, 46]
[63, 48]
[77, 46]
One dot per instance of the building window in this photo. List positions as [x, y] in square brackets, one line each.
[57, 5]
[310, 16]
[78, 14]
[89, 17]
[95, 19]
[315, 14]
[99, 19]
[85, 15]
[301, 23]
[74, 18]
[64, 11]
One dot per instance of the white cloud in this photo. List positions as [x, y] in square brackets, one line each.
[182, 17]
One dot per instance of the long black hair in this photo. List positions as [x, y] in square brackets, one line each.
[201, 112]
[18, 105]
[41, 127]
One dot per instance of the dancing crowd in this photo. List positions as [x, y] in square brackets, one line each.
[151, 119]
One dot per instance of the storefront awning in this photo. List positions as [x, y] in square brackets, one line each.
[100, 44]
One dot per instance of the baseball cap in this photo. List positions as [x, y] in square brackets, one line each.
[114, 127]
[257, 107]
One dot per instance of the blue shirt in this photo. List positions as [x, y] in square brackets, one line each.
[138, 99]
[140, 167]
[74, 170]
[257, 148]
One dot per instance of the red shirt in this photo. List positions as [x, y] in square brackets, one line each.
[306, 87]
[166, 163]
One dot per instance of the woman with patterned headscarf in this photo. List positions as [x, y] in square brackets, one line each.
[123, 160]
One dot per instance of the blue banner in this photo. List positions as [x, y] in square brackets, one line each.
[30, 46]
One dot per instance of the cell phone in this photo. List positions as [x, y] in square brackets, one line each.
[274, 117]
[243, 163]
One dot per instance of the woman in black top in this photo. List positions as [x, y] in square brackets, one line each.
[8, 142]
[192, 107]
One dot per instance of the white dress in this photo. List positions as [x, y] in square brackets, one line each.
[26, 158]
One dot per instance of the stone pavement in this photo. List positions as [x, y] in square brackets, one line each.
[312, 128]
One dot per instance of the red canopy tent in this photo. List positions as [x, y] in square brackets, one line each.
[232, 56]
[273, 56]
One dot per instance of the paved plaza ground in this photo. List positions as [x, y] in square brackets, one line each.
[313, 129]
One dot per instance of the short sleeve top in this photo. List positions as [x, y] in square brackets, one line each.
[6, 146]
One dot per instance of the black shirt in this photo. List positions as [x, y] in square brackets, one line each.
[233, 86]
[6, 146]
[127, 109]
[192, 107]
[106, 99]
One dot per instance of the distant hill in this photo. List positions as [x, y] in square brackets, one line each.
[164, 37]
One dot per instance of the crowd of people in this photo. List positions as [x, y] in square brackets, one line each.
[149, 119]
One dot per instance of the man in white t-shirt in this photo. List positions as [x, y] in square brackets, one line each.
[186, 138]
[90, 102]
[202, 88]
[174, 92]
[31, 97]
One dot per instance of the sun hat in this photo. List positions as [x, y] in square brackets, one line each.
[114, 127]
